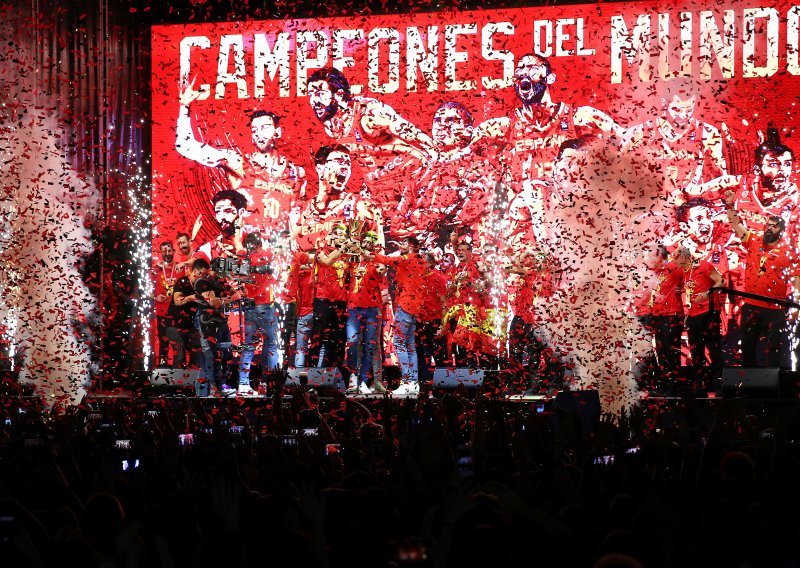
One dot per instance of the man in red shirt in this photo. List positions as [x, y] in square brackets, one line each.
[429, 321]
[411, 286]
[261, 318]
[527, 340]
[666, 308]
[771, 267]
[364, 304]
[702, 322]
[330, 297]
[165, 275]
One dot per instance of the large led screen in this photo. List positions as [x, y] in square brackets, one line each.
[576, 138]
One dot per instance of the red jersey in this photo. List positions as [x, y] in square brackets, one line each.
[410, 279]
[769, 271]
[364, 290]
[666, 298]
[682, 161]
[754, 213]
[261, 289]
[330, 280]
[164, 278]
[456, 190]
[347, 209]
[271, 192]
[435, 291]
[300, 283]
[698, 281]
[385, 160]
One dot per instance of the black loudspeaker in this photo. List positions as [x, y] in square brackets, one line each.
[315, 377]
[450, 378]
[161, 378]
[583, 405]
[753, 382]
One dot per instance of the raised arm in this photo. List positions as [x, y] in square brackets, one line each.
[733, 217]
[380, 116]
[596, 120]
[191, 148]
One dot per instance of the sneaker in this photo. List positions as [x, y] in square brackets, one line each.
[378, 388]
[245, 390]
[364, 389]
[406, 389]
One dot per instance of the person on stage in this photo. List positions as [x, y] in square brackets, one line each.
[261, 318]
[771, 270]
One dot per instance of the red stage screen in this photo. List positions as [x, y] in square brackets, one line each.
[582, 153]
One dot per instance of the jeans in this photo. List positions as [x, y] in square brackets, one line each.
[215, 348]
[366, 320]
[262, 318]
[304, 326]
[404, 327]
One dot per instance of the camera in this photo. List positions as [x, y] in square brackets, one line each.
[122, 444]
[229, 266]
[186, 439]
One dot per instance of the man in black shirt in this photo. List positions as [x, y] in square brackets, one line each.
[182, 309]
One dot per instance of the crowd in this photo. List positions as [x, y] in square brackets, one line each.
[304, 481]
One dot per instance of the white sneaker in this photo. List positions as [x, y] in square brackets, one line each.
[352, 385]
[407, 388]
[245, 390]
[364, 389]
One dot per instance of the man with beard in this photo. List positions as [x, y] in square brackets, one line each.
[770, 191]
[229, 210]
[386, 146]
[165, 275]
[771, 267]
[531, 138]
[333, 203]
[702, 318]
[455, 188]
[267, 179]
[709, 240]
[685, 151]
[184, 254]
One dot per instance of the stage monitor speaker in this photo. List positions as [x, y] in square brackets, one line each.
[450, 378]
[315, 377]
[753, 382]
[583, 404]
[161, 378]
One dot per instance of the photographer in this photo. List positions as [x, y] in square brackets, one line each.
[260, 318]
[215, 335]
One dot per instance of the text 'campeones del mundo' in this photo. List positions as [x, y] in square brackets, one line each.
[705, 44]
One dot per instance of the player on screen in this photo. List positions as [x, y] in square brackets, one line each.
[531, 138]
[386, 146]
[685, 151]
[771, 190]
[267, 179]
[454, 189]
[229, 213]
[334, 203]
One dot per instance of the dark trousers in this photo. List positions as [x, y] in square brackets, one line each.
[430, 345]
[667, 332]
[705, 345]
[328, 332]
[765, 338]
